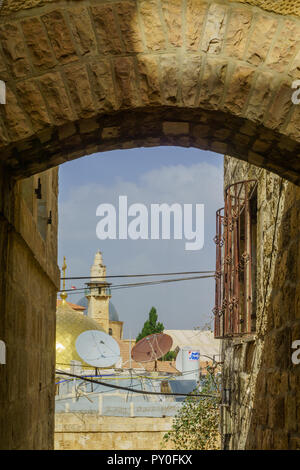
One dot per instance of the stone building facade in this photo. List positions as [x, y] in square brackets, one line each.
[94, 432]
[29, 280]
[263, 407]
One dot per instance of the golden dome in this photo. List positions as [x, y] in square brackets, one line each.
[69, 325]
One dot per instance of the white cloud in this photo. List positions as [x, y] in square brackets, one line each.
[180, 305]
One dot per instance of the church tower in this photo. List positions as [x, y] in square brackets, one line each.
[98, 293]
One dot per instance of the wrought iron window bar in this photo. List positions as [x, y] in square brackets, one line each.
[235, 256]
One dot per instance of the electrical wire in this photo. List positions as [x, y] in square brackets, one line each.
[137, 284]
[143, 392]
[137, 275]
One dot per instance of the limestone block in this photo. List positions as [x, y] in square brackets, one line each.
[172, 12]
[169, 80]
[215, 29]
[106, 29]
[238, 89]
[82, 30]
[129, 26]
[56, 98]
[102, 84]
[14, 49]
[32, 99]
[195, 15]
[149, 79]
[261, 39]
[60, 36]
[239, 25]
[40, 49]
[155, 39]
[80, 90]
[125, 82]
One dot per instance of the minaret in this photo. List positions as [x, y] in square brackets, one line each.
[99, 293]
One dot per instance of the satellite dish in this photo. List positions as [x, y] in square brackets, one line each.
[97, 348]
[151, 347]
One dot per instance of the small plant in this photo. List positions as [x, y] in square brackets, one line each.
[196, 425]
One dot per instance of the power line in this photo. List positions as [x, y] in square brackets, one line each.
[128, 389]
[137, 275]
[148, 283]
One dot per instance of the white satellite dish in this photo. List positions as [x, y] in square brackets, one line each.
[97, 348]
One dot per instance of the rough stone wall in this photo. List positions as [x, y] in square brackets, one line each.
[215, 75]
[264, 383]
[29, 279]
[283, 7]
[92, 432]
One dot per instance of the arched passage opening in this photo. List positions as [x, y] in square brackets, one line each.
[152, 73]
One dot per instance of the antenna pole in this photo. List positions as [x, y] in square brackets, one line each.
[130, 350]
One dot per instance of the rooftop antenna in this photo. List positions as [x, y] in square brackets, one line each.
[151, 348]
[97, 349]
[64, 295]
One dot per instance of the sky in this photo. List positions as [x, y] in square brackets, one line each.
[146, 176]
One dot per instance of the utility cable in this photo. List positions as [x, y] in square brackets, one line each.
[137, 284]
[118, 387]
[137, 275]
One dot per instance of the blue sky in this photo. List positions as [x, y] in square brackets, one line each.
[145, 175]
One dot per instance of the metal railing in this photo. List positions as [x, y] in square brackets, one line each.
[235, 252]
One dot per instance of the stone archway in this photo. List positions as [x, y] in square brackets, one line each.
[86, 77]
[89, 76]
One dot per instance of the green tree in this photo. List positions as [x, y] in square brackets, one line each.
[196, 425]
[151, 325]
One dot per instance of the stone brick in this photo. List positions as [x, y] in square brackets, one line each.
[80, 90]
[82, 30]
[17, 125]
[293, 127]
[276, 412]
[261, 39]
[238, 89]
[32, 100]
[110, 132]
[102, 84]
[129, 26]
[191, 80]
[56, 98]
[285, 47]
[175, 128]
[155, 38]
[125, 82]
[280, 107]
[213, 81]
[40, 50]
[169, 79]
[106, 29]
[149, 79]
[172, 12]
[14, 49]
[215, 29]
[237, 34]
[290, 413]
[60, 36]
[195, 15]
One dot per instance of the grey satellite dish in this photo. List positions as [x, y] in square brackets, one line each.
[97, 348]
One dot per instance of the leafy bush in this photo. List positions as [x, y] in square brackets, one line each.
[196, 425]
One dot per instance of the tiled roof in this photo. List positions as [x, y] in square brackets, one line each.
[76, 307]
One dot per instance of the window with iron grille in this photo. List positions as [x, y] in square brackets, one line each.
[236, 238]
